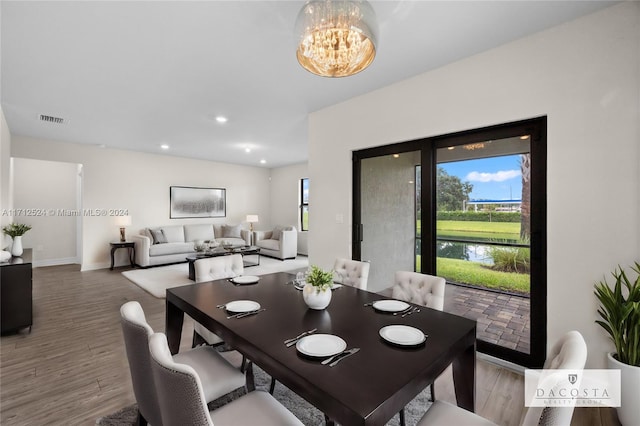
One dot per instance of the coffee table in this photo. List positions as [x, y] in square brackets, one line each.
[219, 251]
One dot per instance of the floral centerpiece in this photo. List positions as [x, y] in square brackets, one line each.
[16, 231]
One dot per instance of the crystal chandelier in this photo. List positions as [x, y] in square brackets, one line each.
[336, 38]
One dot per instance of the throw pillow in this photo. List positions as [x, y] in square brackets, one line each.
[277, 233]
[231, 231]
[158, 236]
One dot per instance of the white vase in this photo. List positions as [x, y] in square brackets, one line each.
[16, 247]
[629, 410]
[316, 299]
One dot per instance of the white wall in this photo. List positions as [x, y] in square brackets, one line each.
[585, 76]
[39, 186]
[285, 200]
[5, 178]
[139, 183]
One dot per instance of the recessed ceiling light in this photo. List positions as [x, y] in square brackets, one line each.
[247, 150]
[221, 119]
[164, 146]
[396, 155]
[451, 147]
[524, 137]
[263, 161]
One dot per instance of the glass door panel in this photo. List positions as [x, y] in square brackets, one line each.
[483, 237]
[389, 216]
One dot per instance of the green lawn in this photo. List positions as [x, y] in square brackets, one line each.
[495, 231]
[473, 273]
[485, 231]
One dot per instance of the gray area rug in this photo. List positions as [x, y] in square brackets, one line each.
[308, 414]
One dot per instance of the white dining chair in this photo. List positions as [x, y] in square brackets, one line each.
[570, 352]
[421, 289]
[351, 272]
[210, 269]
[182, 399]
[218, 376]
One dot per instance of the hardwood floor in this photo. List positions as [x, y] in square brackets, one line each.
[72, 367]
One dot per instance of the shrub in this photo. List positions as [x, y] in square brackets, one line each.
[461, 216]
[510, 259]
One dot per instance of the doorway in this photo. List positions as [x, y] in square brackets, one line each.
[470, 207]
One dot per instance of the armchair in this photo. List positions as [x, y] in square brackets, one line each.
[281, 242]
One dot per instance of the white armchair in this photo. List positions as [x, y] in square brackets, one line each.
[281, 242]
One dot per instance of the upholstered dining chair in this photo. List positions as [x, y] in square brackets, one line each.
[209, 269]
[182, 399]
[351, 272]
[570, 352]
[217, 375]
[421, 289]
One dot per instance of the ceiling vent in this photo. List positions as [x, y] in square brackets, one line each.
[51, 119]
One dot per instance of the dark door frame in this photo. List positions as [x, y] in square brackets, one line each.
[537, 129]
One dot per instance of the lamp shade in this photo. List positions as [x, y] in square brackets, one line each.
[336, 38]
[252, 218]
[123, 221]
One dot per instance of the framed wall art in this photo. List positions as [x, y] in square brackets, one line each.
[192, 202]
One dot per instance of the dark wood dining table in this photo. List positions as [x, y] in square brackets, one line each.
[367, 388]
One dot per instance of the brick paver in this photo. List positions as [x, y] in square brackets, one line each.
[502, 319]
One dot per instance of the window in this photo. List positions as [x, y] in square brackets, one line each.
[304, 204]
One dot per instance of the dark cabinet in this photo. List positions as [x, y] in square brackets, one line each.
[15, 293]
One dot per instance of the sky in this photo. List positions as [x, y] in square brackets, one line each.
[496, 178]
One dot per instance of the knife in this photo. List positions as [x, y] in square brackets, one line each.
[248, 314]
[340, 355]
[291, 342]
[345, 355]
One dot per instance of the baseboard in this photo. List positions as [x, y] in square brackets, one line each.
[501, 363]
[55, 262]
[94, 266]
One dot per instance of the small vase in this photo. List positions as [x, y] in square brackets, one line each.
[316, 299]
[16, 247]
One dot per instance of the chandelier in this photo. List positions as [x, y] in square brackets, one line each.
[336, 38]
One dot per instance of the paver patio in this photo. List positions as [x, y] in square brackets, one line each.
[502, 319]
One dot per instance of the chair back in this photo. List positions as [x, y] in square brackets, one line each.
[180, 393]
[136, 332]
[352, 272]
[217, 268]
[570, 352]
[421, 289]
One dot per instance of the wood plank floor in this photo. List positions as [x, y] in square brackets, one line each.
[72, 368]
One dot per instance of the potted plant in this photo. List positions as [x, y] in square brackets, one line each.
[620, 317]
[317, 291]
[16, 231]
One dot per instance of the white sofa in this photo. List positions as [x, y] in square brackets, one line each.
[172, 244]
[281, 242]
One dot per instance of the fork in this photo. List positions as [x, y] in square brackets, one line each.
[412, 311]
[291, 342]
[404, 312]
[342, 355]
[248, 314]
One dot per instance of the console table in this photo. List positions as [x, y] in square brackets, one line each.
[16, 306]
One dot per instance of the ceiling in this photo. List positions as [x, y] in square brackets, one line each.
[136, 75]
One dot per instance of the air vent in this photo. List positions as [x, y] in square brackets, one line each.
[50, 119]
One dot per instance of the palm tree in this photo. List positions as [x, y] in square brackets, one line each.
[525, 205]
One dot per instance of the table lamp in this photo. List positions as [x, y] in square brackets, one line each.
[252, 218]
[122, 222]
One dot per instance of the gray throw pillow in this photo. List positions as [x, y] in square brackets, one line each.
[158, 236]
[277, 233]
[231, 231]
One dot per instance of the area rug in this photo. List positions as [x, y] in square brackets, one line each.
[308, 414]
[157, 280]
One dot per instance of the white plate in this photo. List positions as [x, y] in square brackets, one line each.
[246, 279]
[242, 306]
[390, 305]
[402, 335]
[321, 345]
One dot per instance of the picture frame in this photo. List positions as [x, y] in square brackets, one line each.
[194, 202]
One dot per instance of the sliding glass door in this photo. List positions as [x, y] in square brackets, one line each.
[469, 207]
